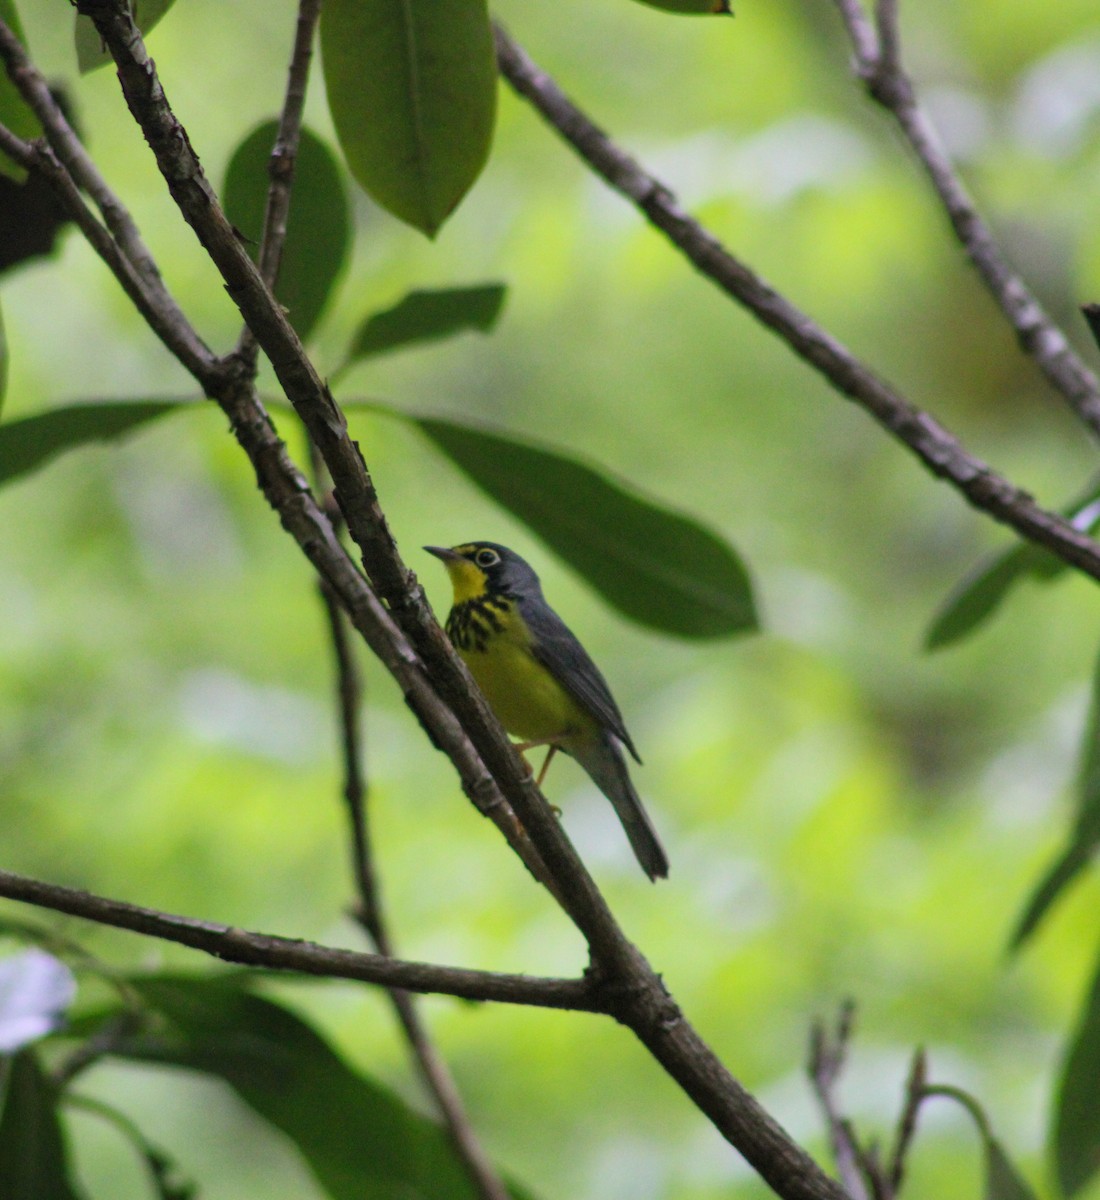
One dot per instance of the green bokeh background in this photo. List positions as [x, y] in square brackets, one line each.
[845, 815]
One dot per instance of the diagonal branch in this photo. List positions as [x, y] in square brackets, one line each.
[878, 62]
[231, 944]
[932, 444]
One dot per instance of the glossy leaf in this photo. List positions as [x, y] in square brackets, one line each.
[318, 235]
[978, 596]
[33, 1154]
[412, 92]
[14, 112]
[427, 316]
[656, 566]
[1076, 1133]
[35, 991]
[29, 443]
[1084, 838]
[90, 51]
[701, 8]
[358, 1138]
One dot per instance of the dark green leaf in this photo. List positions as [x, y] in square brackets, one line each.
[428, 316]
[1002, 1180]
[358, 1138]
[90, 52]
[412, 91]
[35, 990]
[1085, 836]
[1076, 1133]
[14, 112]
[980, 593]
[33, 1153]
[29, 443]
[657, 567]
[691, 7]
[318, 228]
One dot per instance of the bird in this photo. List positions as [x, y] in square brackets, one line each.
[540, 681]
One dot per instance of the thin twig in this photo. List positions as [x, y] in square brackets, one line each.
[309, 958]
[933, 445]
[827, 1056]
[879, 64]
[284, 156]
[915, 1092]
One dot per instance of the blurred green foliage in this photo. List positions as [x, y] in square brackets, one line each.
[845, 815]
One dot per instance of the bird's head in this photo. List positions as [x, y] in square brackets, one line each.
[481, 568]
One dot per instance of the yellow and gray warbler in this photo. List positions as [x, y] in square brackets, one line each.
[539, 679]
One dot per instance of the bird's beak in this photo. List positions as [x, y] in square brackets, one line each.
[443, 553]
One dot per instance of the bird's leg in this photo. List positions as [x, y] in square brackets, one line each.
[552, 743]
[546, 764]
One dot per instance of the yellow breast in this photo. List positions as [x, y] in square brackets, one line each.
[529, 702]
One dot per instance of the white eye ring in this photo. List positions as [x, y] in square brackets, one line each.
[487, 558]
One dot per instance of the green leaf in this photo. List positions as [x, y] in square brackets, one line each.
[1085, 836]
[33, 1153]
[412, 91]
[358, 1138]
[14, 111]
[978, 596]
[657, 567]
[90, 51]
[29, 443]
[35, 991]
[318, 228]
[691, 7]
[1076, 1133]
[427, 316]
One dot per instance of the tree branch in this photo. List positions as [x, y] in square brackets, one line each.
[878, 63]
[307, 958]
[827, 1056]
[932, 444]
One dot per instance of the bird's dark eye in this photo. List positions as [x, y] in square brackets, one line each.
[487, 558]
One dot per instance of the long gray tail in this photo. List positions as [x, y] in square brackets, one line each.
[603, 760]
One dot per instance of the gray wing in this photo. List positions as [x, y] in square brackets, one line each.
[567, 660]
